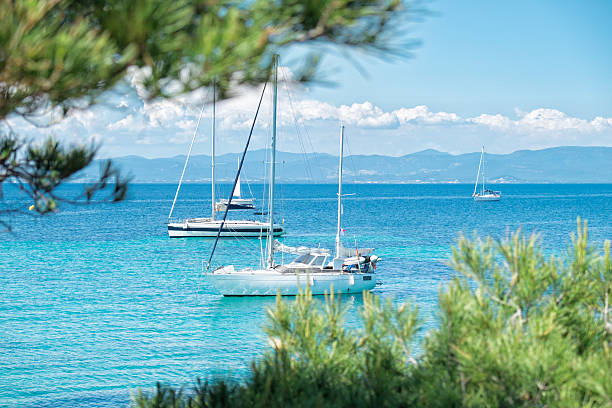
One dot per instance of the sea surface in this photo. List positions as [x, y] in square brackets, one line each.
[96, 301]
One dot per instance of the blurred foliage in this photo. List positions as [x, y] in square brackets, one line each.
[62, 53]
[59, 55]
[516, 329]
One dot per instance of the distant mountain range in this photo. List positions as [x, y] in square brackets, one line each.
[570, 164]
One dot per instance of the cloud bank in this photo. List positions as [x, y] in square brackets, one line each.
[126, 122]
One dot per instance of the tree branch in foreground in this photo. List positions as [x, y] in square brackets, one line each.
[39, 169]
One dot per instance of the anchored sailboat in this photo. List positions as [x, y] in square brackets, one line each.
[313, 267]
[208, 227]
[485, 194]
[238, 203]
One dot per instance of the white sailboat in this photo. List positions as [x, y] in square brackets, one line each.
[238, 203]
[209, 227]
[484, 194]
[313, 267]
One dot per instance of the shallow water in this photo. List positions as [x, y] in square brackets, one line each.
[96, 301]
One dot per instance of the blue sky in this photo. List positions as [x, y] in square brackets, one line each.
[509, 75]
[492, 57]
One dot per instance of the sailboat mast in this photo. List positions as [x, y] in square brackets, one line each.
[270, 262]
[478, 174]
[212, 155]
[338, 243]
[195, 133]
[483, 170]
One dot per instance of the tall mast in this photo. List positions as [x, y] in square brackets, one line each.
[483, 170]
[478, 174]
[338, 243]
[195, 132]
[212, 164]
[270, 262]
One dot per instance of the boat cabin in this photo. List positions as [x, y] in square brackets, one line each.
[319, 261]
[310, 259]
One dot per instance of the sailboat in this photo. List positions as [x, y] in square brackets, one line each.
[484, 194]
[209, 227]
[238, 203]
[313, 267]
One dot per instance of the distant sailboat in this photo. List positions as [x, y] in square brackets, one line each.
[484, 194]
[238, 203]
[209, 227]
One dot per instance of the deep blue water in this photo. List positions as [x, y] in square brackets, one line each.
[96, 301]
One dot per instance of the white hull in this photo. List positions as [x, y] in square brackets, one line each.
[485, 193]
[207, 228]
[487, 197]
[270, 282]
[236, 204]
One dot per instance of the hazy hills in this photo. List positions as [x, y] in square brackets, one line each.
[554, 165]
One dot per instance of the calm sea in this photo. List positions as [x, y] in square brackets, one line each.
[96, 301]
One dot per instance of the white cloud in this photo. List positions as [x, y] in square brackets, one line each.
[236, 121]
[132, 124]
[163, 113]
[128, 123]
[550, 120]
[311, 109]
[237, 113]
[543, 120]
[422, 115]
[600, 123]
[493, 121]
[186, 124]
[367, 115]
[83, 117]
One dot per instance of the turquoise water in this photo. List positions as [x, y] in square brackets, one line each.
[96, 301]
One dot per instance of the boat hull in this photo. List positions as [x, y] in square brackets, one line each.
[489, 197]
[271, 284]
[236, 204]
[223, 207]
[210, 229]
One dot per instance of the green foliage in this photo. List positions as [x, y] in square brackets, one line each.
[66, 52]
[221, 394]
[516, 328]
[315, 360]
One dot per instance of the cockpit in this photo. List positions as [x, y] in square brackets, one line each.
[310, 259]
